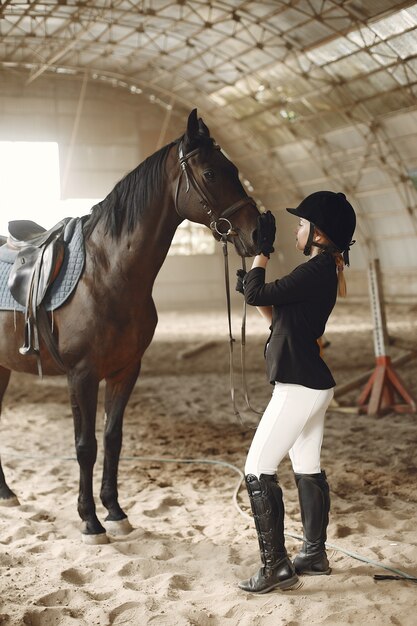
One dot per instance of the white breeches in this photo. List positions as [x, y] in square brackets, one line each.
[293, 423]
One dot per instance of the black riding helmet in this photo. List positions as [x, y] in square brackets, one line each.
[333, 215]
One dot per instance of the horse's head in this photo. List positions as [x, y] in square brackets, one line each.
[209, 191]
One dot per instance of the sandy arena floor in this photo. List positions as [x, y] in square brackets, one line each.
[190, 544]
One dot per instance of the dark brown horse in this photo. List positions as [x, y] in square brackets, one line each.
[104, 328]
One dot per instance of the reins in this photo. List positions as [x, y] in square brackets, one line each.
[208, 203]
[232, 340]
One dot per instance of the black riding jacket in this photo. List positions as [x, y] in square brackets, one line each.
[301, 304]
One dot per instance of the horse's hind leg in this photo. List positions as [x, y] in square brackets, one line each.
[118, 390]
[7, 497]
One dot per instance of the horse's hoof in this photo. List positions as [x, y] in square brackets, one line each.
[13, 501]
[95, 540]
[118, 527]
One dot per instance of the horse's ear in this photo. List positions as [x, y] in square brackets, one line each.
[202, 128]
[192, 126]
[196, 130]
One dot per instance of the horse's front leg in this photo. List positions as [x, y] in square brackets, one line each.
[83, 388]
[118, 390]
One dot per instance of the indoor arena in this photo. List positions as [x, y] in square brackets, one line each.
[165, 321]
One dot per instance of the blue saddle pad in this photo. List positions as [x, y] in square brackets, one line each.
[65, 282]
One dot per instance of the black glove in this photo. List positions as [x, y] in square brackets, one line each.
[266, 233]
[239, 283]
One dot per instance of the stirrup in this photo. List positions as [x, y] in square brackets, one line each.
[27, 349]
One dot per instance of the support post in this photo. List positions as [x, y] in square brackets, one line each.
[384, 385]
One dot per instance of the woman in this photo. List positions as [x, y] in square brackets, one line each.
[297, 308]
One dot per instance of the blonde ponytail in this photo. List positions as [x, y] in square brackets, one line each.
[327, 244]
[340, 265]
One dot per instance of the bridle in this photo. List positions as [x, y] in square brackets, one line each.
[206, 199]
[208, 203]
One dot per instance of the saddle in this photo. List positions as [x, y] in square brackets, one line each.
[39, 254]
[25, 232]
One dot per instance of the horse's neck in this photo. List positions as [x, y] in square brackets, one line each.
[138, 254]
[154, 239]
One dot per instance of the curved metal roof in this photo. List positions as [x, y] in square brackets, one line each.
[315, 93]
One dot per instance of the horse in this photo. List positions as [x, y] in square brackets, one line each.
[104, 328]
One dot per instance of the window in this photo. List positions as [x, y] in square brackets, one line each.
[30, 185]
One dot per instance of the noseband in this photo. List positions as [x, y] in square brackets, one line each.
[206, 199]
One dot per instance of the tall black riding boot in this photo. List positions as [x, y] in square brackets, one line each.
[277, 570]
[313, 493]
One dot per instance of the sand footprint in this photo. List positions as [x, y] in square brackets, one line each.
[100, 596]
[150, 549]
[28, 508]
[142, 569]
[19, 532]
[42, 516]
[171, 584]
[164, 507]
[235, 556]
[61, 597]
[76, 576]
[126, 613]
[37, 548]
[52, 617]
[193, 616]
[343, 531]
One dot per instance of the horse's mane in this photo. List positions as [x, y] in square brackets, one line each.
[125, 204]
[127, 201]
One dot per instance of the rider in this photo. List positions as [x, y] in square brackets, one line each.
[297, 307]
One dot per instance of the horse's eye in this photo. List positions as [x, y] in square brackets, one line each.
[209, 175]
